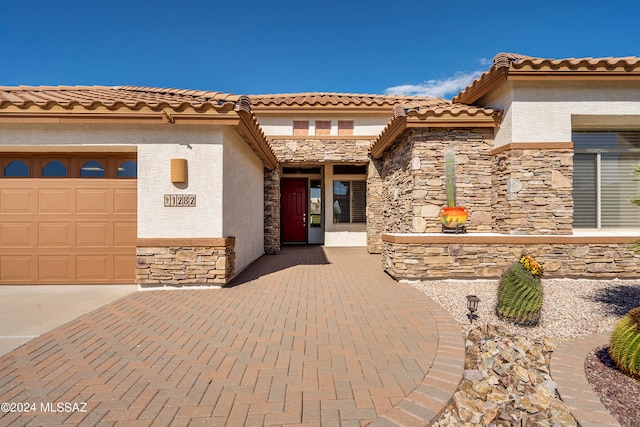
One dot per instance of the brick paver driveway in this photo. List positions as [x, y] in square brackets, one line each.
[316, 336]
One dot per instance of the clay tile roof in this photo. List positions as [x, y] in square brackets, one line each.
[443, 114]
[451, 110]
[515, 66]
[520, 62]
[114, 97]
[324, 100]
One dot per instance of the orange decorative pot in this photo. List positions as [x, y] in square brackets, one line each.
[452, 217]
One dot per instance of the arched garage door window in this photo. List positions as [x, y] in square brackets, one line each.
[54, 169]
[16, 169]
[128, 169]
[92, 169]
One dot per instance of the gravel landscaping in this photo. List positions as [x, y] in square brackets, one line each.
[571, 307]
[506, 372]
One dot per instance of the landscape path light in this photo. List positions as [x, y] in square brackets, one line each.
[472, 306]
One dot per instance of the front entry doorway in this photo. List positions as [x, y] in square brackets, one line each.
[294, 210]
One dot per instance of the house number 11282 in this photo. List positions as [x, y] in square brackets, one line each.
[180, 200]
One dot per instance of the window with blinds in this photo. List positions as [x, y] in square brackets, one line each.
[349, 201]
[604, 180]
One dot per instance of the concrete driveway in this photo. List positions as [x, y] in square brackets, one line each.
[27, 312]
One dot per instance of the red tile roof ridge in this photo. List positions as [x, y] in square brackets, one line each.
[184, 92]
[453, 109]
[519, 61]
[337, 98]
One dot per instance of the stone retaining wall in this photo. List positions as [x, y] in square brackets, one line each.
[166, 262]
[464, 257]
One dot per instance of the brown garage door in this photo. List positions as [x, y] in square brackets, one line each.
[67, 230]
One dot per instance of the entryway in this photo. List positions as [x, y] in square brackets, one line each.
[302, 221]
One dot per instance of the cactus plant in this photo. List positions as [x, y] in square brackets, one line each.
[624, 346]
[450, 177]
[520, 292]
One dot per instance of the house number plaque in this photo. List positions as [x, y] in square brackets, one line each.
[180, 200]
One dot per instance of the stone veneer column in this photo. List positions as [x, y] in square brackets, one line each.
[375, 217]
[185, 262]
[414, 184]
[533, 188]
[272, 211]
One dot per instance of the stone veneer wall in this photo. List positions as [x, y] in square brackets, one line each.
[272, 211]
[464, 257]
[414, 184]
[533, 189]
[321, 150]
[185, 262]
[375, 217]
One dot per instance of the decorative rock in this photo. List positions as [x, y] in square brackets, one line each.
[521, 373]
[514, 388]
[472, 375]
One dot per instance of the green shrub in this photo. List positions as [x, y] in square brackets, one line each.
[520, 292]
[624, 346]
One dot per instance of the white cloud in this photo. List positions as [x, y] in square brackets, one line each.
[438, 88]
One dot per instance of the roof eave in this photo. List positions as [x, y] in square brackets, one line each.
[165, 116]
[485, 84]
[250, 130]
[399, 124]
[394, 129]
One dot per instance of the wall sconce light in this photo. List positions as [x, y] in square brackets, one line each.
[472, 306]
[179, 171]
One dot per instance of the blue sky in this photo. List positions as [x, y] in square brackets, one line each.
[279, 46]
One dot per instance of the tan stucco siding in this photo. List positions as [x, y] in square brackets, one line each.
[243, 199]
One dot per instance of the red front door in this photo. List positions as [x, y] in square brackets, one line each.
[294, 210]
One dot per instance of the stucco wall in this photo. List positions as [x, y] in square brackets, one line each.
[31, 136]
[243, 199]
[362, 126]
[201, 146]
[548, 111]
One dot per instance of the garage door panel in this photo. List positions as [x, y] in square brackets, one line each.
[59, 268]
[67, 230]
[93, 234]
[55, 200]
[17, 200]
[123, 265]
[90, 268]
[55, 234]
[93, 201]
[17, 234]
[125, 200]
[18, 268]
[125, 234]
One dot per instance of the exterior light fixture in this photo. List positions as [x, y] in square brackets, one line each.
[179, 172]
[472, 306]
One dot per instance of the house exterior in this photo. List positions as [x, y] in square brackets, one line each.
[183, 187]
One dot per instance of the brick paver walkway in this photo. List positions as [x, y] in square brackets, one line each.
[567, 369]
[313, 336]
